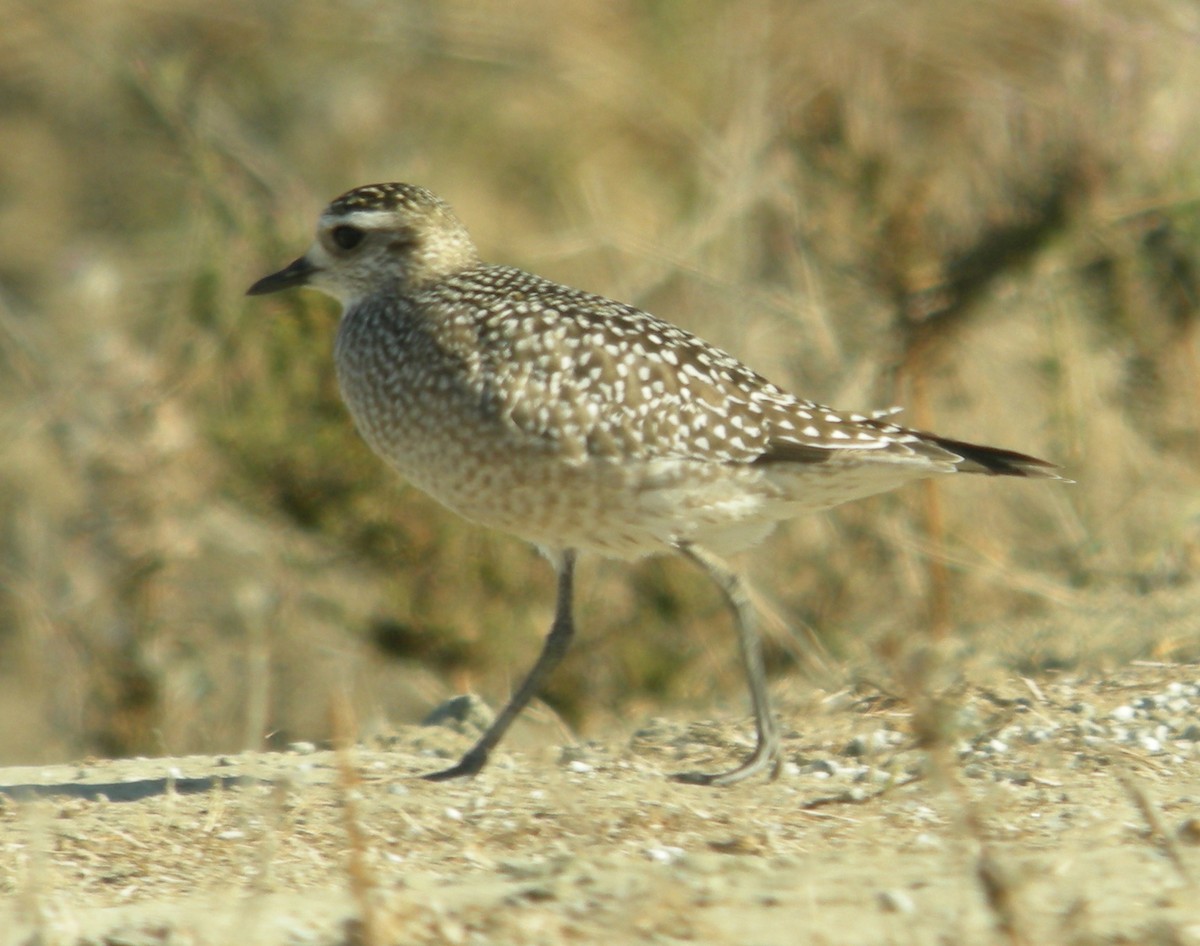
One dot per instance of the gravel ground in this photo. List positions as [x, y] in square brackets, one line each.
[1062, 811]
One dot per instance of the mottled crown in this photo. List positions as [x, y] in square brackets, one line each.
[393, 196]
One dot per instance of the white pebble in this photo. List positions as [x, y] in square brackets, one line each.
[896, 901]
[1150, 744]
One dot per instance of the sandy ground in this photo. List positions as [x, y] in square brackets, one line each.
[1069, 813]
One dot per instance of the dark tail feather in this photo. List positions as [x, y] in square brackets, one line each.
[995, 462]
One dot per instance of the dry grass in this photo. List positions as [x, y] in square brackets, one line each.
[988, 212]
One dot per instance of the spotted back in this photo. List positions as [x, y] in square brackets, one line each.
[601, 379]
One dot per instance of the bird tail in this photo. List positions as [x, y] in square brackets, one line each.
[993, 461]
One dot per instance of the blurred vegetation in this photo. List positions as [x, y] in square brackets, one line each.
[988, 212]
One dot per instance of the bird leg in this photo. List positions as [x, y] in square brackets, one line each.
[767, 750]
[557, 642]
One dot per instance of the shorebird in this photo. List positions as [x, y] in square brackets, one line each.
[582, 424]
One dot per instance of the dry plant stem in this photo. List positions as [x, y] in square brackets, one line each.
[1155, 829]
[362, 883]
[1190, 354]
[931, 719]
[255, 907]
[269, 846]
[939, 579]
[34, 893]
[931, 506]
[258, 674]
[999, 888]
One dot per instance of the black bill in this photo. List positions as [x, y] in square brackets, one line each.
[296, 273]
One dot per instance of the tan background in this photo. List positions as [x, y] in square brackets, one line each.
[986, 212]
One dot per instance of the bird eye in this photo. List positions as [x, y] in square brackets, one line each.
[347, 237]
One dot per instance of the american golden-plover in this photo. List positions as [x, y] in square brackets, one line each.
[582, 424]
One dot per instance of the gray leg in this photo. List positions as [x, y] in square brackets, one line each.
[767, 749]
[557, 642]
